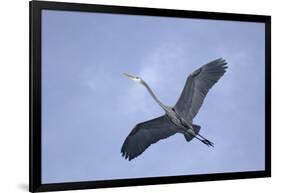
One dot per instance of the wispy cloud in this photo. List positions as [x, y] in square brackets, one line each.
[159, 67]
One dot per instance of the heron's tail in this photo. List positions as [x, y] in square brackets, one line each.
[189, 137]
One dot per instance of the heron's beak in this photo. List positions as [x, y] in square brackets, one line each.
[129, 76]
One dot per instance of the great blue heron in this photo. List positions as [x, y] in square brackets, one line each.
[177, 119]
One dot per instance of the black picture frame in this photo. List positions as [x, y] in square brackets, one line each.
[35, 184]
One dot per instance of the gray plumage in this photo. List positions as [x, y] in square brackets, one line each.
[177, 119]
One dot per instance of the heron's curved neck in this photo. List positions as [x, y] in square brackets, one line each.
[153, 95]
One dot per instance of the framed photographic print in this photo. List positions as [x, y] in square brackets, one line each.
[125, 96]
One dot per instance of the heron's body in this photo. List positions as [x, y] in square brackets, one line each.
[181, 125]
[177, 119]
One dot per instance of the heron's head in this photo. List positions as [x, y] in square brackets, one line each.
[134, 78]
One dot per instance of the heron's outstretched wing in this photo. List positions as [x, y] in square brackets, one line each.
[197, 86]
[144, 134]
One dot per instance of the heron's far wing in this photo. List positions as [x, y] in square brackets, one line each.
[144, 134]
[197, 86]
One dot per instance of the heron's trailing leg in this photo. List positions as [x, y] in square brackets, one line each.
[203, 140]
[206, 141]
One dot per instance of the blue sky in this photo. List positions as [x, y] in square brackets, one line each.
[89, 107]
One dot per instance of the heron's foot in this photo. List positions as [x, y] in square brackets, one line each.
[208, 143]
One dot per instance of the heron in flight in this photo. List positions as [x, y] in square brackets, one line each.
[177, 119]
